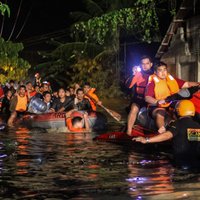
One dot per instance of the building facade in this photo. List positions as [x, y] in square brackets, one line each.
[180, 48]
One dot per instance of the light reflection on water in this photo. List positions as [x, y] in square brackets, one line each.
[39, 165]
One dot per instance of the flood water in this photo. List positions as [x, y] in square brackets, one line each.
[35, 164]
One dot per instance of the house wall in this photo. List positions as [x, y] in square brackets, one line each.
[183, 55]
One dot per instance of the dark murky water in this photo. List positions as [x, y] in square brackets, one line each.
[40, 165]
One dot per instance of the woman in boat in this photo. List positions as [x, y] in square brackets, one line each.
[185, 134]
[63, 103]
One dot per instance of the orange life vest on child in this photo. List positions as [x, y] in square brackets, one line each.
[164, 88]
[93, 100]
[21, 103]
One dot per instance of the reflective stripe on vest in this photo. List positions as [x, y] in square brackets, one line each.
[21, 103]
[164, 88]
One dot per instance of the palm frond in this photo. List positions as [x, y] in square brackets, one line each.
[67, 50]
[54, 42]
[105, 53]
[93, 8]
[80, 16]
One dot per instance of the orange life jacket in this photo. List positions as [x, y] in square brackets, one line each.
[69, 122]
[21, 103]
[93, 100]
[139, 80]
[32, 93]
[164, 88]
[196, 101]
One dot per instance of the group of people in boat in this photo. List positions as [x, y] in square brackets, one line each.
[152, 86]
[38, 98]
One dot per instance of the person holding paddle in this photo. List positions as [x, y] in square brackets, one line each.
[138, 83]
[89, 92]
[94, 100]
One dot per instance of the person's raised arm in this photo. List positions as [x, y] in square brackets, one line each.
[87, 126]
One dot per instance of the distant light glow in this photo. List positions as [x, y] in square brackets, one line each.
[138, 69]
[3, 155]
[144, 162]
[137, 179]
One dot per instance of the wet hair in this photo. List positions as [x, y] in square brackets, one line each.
[146, 57]
[12, 81]
[87, 84]
[45, 93]
[22, 86]
[8, 91]
[80, 89]
[43, 84]
[159, 64]
[75, 120]
[28, 82]
[61, 89]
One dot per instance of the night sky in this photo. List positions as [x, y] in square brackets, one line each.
[41, 17]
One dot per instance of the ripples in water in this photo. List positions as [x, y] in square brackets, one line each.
[41, 165]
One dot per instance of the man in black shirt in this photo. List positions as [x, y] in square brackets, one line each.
[63, 103]
[185, 134]
[80, 102]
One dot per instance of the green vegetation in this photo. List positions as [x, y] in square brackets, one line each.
[139, 21]
[11, 65]
[94, 54]
[4, 9]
